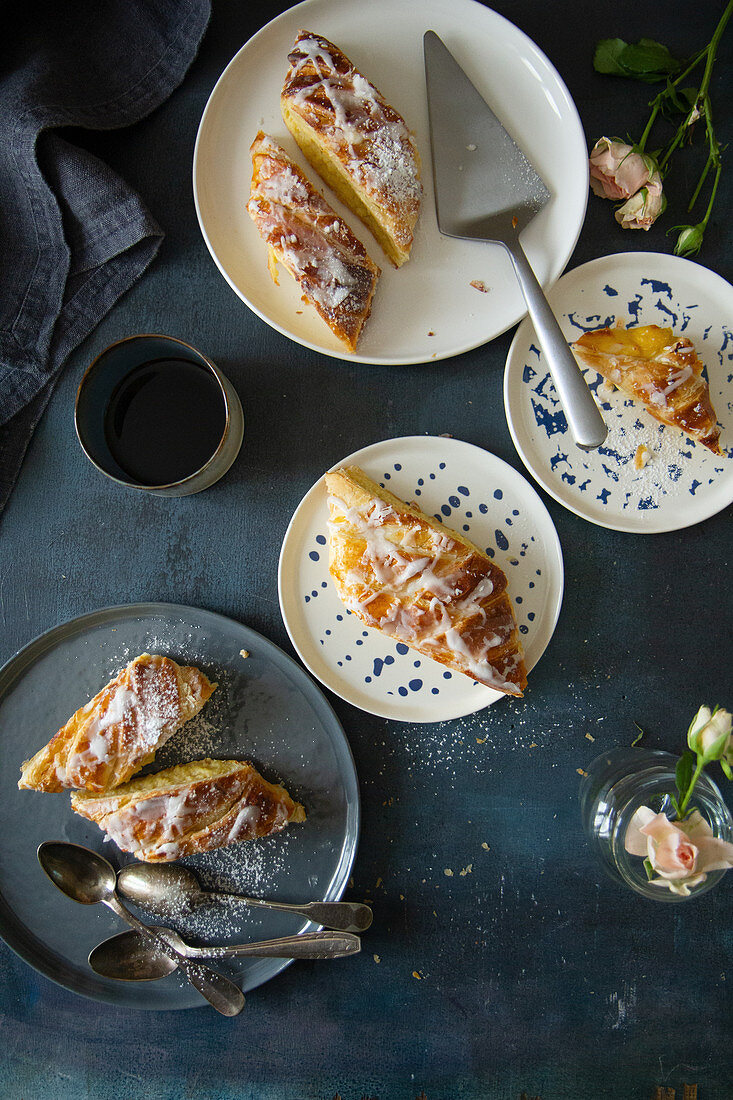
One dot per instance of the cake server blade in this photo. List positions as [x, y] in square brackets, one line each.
[486, 189]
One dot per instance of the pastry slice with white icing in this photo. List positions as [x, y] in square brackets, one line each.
[660, 370]
[309, 238]
[190, 808]
[355, 140]
[404, 573]
[120, 729]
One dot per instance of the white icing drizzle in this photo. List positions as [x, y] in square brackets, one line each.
[404, 578]
[377, 147]
[318, 249]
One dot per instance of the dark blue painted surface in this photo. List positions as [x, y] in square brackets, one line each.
[536, 973]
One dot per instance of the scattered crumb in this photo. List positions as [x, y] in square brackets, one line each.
[417, 974]
[466, 870]
[590, 736]
[642, 456]
[605, 389]
[581, 772]
[481, 740]
[244, 653]
[448, 873]
[378, 883]
[471, 148]
[299, 311]
[485, 846]
[434, 913]
[534, 745]
[443, 435]
[377, 959]
[479, 284]
[402, 897]
[431, 334]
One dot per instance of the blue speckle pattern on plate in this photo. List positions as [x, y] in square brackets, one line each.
[472, 492]
[682, 482]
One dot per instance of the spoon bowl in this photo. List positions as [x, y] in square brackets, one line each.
[80, 873]
[128, 957]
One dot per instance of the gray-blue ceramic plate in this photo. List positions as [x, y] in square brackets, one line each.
[266, 709]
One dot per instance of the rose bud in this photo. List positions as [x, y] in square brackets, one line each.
[616, 171]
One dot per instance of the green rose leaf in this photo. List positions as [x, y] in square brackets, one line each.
[648, 60]
[683, 773]
[648, 868]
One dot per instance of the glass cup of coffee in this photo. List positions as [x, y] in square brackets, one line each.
[153, 413]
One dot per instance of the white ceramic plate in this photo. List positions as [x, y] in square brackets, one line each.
[427, 309]
[469, 490]
[682, 483]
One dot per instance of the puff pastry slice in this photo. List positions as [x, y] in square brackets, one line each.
[406, 574]
[309, 238]
[355, 140]
[190, 808]
[119, 730]
[662, 371]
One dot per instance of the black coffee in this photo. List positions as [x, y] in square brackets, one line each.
[164, 420]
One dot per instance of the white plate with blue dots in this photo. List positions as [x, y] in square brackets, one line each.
[681, 483]
[471, 491]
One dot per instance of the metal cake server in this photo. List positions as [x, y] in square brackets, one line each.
[487, 190]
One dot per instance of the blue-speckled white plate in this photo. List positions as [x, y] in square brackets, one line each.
[682, 483]
[468, 489]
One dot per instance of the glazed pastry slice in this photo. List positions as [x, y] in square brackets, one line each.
[404, 573]
[355, 140]
[662, 371]
[316, 246]
[120, 729]
[189, 808]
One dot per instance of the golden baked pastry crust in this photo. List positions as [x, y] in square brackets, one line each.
[190, 808]
[658, 369]
[119, 730]
[404, 573]
[355, 140]
[316, 246]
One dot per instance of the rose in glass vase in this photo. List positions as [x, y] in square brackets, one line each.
[679, 847]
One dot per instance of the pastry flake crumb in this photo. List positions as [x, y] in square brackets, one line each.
[431, 334]
[485, 846]
[417, 974]
[581, 772]
[377, 958]
[479, 284]
[534, 745]
[448, 873]
[590, 736]
[244, 653]
[466, 870]
[642, 456]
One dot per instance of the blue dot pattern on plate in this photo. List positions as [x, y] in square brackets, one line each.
[491, 518]
[612, 480]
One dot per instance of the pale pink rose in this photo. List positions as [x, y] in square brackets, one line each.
[681, 854]
[616, 171]
[643, 208]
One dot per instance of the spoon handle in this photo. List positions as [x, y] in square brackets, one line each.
[308, 945]
[221, 993]
[341, 916]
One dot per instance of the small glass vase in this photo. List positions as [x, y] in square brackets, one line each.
[616, 785]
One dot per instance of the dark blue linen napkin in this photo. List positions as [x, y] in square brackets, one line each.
[73, 235]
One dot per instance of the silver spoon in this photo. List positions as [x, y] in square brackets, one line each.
[166, 888]
[88, 878]
[129, 957]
